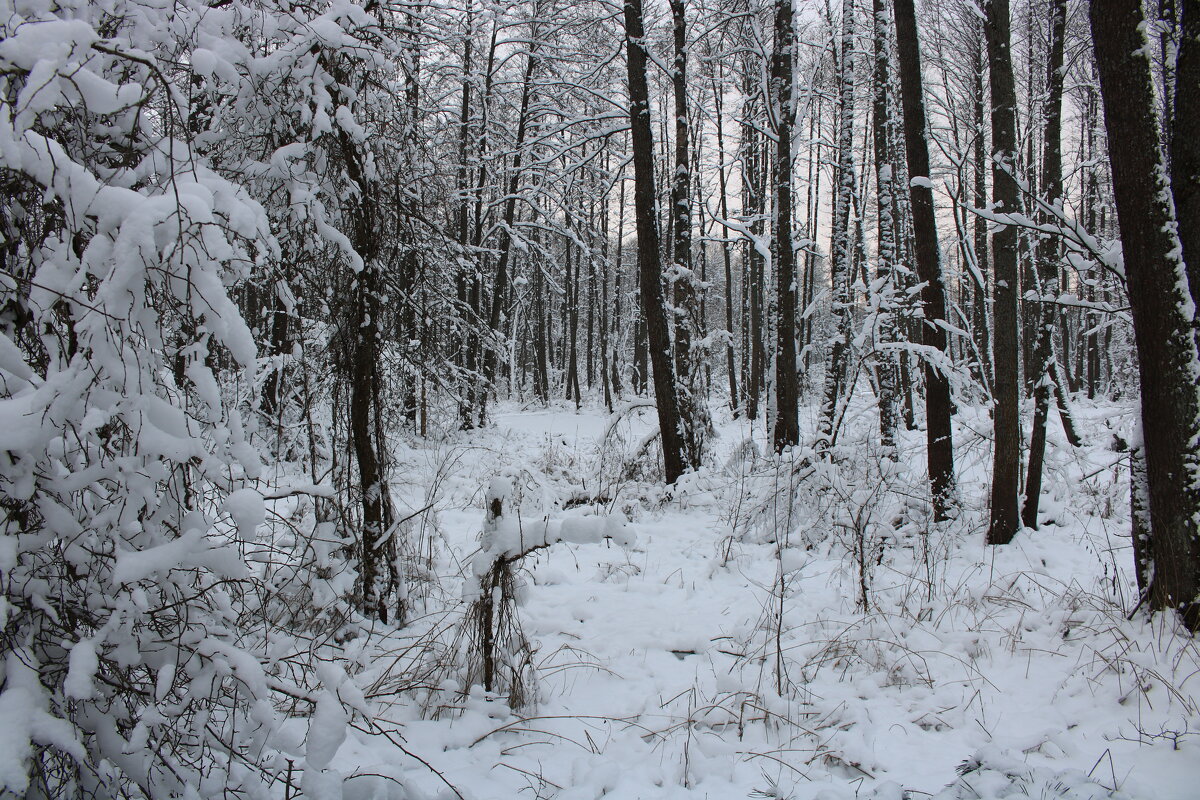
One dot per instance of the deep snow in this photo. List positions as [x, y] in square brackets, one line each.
[660, 665]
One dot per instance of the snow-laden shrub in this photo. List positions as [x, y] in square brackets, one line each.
[127, 483]
[497, 655]
[992, 773]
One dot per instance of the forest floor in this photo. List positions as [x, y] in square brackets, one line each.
[727, 652]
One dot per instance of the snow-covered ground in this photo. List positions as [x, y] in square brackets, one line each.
[726, 653]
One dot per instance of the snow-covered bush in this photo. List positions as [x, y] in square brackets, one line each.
[128, 670]
[498, 657]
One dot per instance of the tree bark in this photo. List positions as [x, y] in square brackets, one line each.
[754, 184]
[1006, 412]
[693, 411]
[886, 362]
[982, 258]
[841, 261]
[730, 356]
[649, 264]
[377, 573]
[1161, 304]
[466, 278]
[618, 269]
[1185, 143]
[939, 438]
[275, 389]
[1046, 264]
[787, 420]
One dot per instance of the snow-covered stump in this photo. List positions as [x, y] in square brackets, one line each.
[499, 656]
[493, 609]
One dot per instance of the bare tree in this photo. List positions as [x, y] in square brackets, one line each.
[787, 425]
[1162, 310]
[649, 264]
[693, 408]
[881, 111]
[929, 269]
[500, 284]
[841, 266]
[1046, 263]
[1006, 456]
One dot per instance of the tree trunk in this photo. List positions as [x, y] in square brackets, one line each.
[571, 321]
[466, 278]
[618, 269]
[541, 335]
[606, 267]
[887, 365]
[730, 357]
[1161, 305]
[1047, 264]
[840, 265]
[812, 217]
[981, 318]
[649, 264]
[590, 364]
[939, 438]
[1139, 515]
[1006, 414]
[377, 571]
[1185, 143]
[275, 388]
[1091, 199]
[754, 183]
[787, 421]
[693, 410]
[410, 262]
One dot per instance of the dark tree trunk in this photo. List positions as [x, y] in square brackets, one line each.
[1139, 516]
[571, 322]
[840, 265]
[541, 338]
[754, 181]
[649, 264]
[606, 267]
[377, 574]
[1161, 305]
[787, 421]
[730, 356]
[982, 326]
[887, 366]
[1006, 462]
[466, 277]
[929, 268]
[410, 328]
[641, 349]
[812, 216]
[1047, 264]
[618, 269]
[476, 399]
[1185, 143]
[1091, 199]
[590, 364]
[693, 411]
[275, 388]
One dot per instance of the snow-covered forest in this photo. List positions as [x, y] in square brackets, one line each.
[461, 400]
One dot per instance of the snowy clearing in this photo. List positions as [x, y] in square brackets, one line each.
[663, 670]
